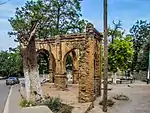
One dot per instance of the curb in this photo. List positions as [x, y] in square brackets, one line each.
[6, 108]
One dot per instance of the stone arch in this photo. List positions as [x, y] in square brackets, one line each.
[43, 61]
[51, 63]
[75, 63]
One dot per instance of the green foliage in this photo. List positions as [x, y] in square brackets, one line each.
[53, 17]
[120, 49]
[69, 60]
[10, 62]
[56, 106]
[66, 109]
[53, 103]
[25, 103]
[141, 33]
[120, 54]
[43, 63]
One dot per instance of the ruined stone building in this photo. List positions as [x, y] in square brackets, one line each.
[85, 49]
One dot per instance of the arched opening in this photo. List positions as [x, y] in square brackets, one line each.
[46, 63]
[71, 65]
[69, 68]
[43, 63]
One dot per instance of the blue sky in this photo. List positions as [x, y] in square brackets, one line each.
[128, 11]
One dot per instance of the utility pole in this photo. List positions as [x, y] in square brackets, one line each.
[148, 75]
[105, 59]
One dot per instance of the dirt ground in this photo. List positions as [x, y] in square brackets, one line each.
[68, 96]
[138, 93]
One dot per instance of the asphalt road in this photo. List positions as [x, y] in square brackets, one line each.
[4, 90]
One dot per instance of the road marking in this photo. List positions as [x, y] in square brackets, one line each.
[6, 108]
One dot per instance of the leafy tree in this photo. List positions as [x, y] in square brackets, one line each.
[116, 31]
[43, 63]
[54, 17]
[69, 62]
[10, 63]
[140, 32]
[120, 50]
[120, 54]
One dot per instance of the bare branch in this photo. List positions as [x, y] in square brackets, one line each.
[33, 30]
[1, 3]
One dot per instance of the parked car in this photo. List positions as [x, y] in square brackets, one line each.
[12, 81]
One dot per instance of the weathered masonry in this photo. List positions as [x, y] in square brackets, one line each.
[85, 48]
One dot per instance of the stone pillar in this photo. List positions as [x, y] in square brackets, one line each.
[97, 82]
[75, 74]
[97, 70]
[100, 65]
[86, 65]
[61, 81]
[51, 76]
[60, 77]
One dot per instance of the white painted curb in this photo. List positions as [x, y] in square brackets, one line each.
[6, 108]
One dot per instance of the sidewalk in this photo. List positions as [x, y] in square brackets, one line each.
[14, 100]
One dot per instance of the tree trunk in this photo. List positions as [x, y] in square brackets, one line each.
[114, 78]
[30, 68]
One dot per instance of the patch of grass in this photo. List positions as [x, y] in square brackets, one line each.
[110, 102]
[121, 97]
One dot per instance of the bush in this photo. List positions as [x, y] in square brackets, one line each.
[53, 103]
[110, 102]
[56, 106]
[25, 103]
[66, 108]
[121, 97]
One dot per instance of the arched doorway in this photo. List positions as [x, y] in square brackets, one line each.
[46, 64]
[69, 68]
[71, 65]
[43, 63]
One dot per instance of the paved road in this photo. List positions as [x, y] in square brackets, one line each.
[4, 90]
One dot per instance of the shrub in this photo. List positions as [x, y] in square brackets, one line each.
[110, 102]
[25, 103]
[53, 103]
[56, 106]
[66, 108]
